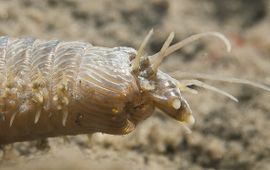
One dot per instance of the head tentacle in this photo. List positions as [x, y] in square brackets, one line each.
[136, 62]
[180, 75]
[161, 55]
[165, 91]
[208, 87]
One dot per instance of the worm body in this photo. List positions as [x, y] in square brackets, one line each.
[52, 88]
[55, 88]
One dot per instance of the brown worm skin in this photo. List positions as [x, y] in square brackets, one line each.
[93, 84]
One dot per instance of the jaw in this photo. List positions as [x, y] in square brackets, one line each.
[166, 96]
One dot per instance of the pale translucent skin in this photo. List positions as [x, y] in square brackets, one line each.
[42, 82]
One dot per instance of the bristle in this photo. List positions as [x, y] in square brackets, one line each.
[37, 116]
[129, 127]
[65, 115]
[12, 119]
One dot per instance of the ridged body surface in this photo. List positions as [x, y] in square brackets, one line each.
[54, 88]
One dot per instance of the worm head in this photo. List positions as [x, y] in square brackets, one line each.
[161, 87]
[166, 95]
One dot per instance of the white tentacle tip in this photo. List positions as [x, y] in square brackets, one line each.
[224, 39]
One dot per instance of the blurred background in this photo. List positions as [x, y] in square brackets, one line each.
[226, 135]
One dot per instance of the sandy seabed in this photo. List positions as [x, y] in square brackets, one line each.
[226, 135]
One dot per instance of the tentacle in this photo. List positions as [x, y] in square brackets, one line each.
[209, 87]
[180, 75]
[136, 62]
[195, 37]
[158, 57]
[184, 88]
[161, 55]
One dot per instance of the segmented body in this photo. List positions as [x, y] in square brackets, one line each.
[55, 88]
